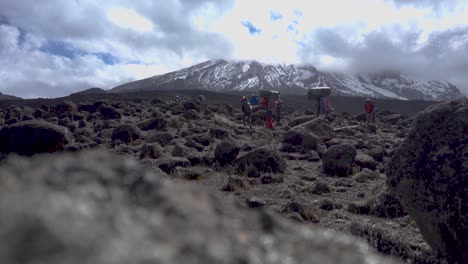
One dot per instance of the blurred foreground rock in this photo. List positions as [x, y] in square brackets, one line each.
[429, 173]
[94, 207]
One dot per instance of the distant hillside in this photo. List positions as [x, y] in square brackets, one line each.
[225, 76]
[93, 90]
[5, 97]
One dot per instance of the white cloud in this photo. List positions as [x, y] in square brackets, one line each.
[151, 37]
[128, 18]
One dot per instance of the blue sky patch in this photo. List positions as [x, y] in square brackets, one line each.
[107, 58]
[62, 49]
[275, 16]
[252, 29]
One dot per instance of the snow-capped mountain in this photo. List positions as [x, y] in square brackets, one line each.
[222, 75]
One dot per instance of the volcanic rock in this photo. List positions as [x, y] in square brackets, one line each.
[156, 123]
[219, 133]
[162, 138]
[168, 165]
[31, 137]
[318, 127]
[264, 159]
[385, 204]
[301, 120]
[191, 115]
[126, 133]
[303, 141]
[376, 152]
[428, 173]
[365, 161]
[109, 112]
[151, 151]
[226, 152]
[338, 160]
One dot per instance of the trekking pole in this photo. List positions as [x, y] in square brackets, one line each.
[318, 107]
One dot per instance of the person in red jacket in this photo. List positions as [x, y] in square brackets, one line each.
[272, 105]
[269, 114]
[370, 110]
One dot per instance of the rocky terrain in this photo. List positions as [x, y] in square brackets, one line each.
[226, 76]
[147, 180]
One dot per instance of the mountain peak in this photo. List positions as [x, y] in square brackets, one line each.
[251, 75]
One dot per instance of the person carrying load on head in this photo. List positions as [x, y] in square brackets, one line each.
[317, 94]
[246, 111]
[369, 107]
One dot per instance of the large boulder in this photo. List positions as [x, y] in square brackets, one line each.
[218, 132]
[80, 208]
[385, 204]
[168, 165]
[226, 152]
[365, 161]
[429, 173]
[376, 152]
[180, 151]
[191, 115]
[318, 127]
[156, 123]
[189, 105]
[31, 137]
[302, 142]
[263, 159]
[338, 160]
[301, 120]
[126, 133]
[151, 151]
[64, 107]
[109, 112]
[162, 138]
[391, 119]
[13, 113]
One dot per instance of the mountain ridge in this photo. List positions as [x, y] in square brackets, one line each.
[222, 75]
[9, 97]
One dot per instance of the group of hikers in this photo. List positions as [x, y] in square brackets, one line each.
[273, 104]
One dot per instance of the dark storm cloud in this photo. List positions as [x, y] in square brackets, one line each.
[444, 56]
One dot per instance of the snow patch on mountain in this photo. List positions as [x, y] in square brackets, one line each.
[222, 75]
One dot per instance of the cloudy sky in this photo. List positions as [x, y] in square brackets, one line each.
[51, 48]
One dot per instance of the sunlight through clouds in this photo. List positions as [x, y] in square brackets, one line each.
[128, 18]
[106, 43]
